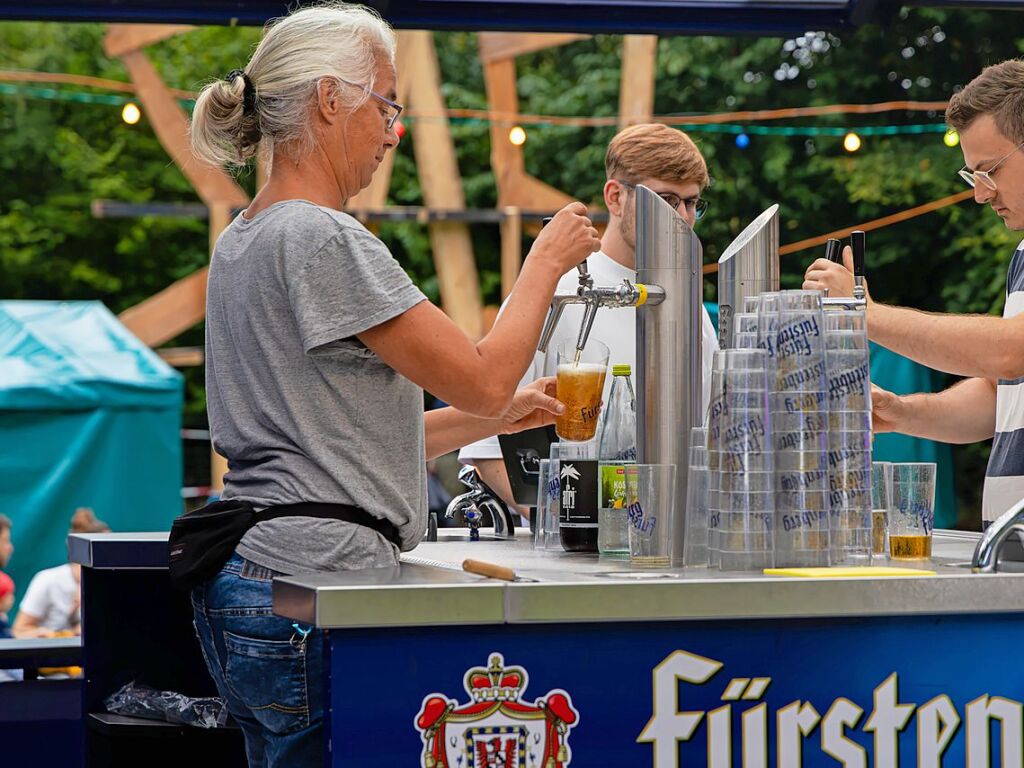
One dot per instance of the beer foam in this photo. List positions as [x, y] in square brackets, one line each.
[581, 369]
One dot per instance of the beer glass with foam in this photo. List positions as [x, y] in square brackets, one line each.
[580, 382]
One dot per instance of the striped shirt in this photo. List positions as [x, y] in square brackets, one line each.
[1004, 478]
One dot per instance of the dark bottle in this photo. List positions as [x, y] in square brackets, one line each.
[577, 480]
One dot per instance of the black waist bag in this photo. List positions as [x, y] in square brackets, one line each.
[203, 540]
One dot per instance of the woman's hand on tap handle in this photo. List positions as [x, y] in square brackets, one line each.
[568, 239]
[837, 279]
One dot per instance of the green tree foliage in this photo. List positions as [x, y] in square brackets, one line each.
[56, 157]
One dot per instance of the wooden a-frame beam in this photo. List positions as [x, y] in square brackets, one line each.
[636, 89]
[438, 168]
[182, 304]
[495, 46]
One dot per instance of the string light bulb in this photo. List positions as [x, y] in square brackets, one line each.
[517, 135]
[851, 142]
[951, 138]
[742, 141]
[130, 113]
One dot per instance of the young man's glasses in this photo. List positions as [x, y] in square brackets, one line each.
[392, 110]
[698, 205]
[985, 177]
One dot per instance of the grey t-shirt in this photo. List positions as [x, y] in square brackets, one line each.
[302, 410]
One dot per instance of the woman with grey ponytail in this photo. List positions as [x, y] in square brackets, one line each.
[318, 349]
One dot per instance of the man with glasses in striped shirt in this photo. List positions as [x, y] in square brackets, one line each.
[988, 351]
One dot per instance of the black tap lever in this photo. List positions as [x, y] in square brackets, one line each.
[857, 240]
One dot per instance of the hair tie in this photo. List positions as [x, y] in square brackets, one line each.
[248, 95]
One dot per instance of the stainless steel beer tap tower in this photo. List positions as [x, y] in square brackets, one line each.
[668, 344]
[749, 266]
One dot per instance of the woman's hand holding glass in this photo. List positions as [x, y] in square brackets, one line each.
[532, 406]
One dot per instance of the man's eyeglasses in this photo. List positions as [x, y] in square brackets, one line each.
[698, 205]
[393, 109]
[985, 177]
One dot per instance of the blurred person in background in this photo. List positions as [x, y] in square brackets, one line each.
[53, 599]
[6, 545]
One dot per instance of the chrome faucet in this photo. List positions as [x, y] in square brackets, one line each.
[625, 294]
[475, 501]
[986, 554]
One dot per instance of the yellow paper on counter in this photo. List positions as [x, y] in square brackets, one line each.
[848, 572]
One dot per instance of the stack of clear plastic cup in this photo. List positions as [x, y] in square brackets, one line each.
[849, 455]
[716, 412]
[799, 413]
[745, 336]
[744, 483]
[695, 543]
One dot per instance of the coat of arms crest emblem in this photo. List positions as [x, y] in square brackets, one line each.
[496, 728]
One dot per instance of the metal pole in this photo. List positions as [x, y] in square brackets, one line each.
[668, 344]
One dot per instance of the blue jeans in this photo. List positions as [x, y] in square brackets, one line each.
[269, 675]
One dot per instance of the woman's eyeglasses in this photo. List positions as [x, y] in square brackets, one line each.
[393, 109]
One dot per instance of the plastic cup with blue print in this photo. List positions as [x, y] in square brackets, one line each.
[546, 527]
[650, 510]
[912, 515]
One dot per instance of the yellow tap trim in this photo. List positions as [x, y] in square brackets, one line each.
[641, 289]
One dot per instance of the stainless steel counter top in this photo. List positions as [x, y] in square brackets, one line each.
[430, 589]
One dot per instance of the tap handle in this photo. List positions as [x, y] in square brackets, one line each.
[857, 240]
[833, 251]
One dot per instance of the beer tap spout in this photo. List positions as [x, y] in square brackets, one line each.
[589, 313]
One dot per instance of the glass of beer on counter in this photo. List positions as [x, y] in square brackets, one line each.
[580, 383]
[912, 512]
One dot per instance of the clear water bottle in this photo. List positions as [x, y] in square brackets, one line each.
[616, 449]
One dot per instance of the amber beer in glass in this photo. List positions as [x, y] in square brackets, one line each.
[912, 514]
[580, 383]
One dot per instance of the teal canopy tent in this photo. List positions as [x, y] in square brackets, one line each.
[89, 417]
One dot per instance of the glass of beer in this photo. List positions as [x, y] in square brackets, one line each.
[912, 514]
[580, 384]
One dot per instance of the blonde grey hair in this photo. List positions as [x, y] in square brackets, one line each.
[339, 41]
